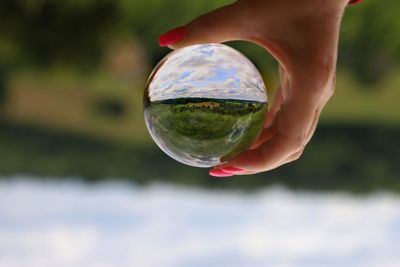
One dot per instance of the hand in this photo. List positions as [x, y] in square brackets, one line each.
[303, 37]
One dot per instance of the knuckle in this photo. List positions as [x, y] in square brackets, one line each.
[295, 156]
[298, 154]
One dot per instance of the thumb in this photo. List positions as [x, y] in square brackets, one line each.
[218, 26]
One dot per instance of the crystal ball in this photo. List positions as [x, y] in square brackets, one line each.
[205, 104]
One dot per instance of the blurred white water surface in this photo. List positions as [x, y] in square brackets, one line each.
[57, 224]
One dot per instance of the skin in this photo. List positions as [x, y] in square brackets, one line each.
[302, 35]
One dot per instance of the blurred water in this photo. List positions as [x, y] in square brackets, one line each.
[56, 224]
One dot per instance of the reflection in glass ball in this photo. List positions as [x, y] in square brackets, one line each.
[205, 104]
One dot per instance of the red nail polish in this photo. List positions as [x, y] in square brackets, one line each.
[353, 2]
[219, 173]
[231, 170]
[171, 36]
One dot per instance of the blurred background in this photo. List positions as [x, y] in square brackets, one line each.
[80, 175]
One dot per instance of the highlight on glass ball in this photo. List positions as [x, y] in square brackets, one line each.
[205, 104]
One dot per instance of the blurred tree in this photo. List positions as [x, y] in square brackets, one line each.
[3, 88]
[370, 40]
[44, 32]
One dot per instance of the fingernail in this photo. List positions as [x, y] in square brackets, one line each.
[219, 173]
[353, 2]
[232, 170]
[171, 36]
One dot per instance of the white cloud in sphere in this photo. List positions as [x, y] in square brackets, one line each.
[207, 71]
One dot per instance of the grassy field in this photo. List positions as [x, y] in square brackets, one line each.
[94, 105]
[354, 103]
[204, 131]
[75, 104]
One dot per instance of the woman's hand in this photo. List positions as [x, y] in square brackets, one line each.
[302, 35]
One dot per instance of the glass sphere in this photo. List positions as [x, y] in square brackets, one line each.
[205, 104]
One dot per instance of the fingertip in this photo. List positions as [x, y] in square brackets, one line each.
[217, 26]
[232, 170]
[353, 2]
[219, 173]
[171, 37]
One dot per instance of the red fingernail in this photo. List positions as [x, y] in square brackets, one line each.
[231, 170]
[219, 173]
[353, 2]
[171, 36]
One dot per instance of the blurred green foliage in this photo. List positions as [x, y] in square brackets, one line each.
[69, 38]
[3, 85]
[43, 33]
[370, 40]
[353, 158]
